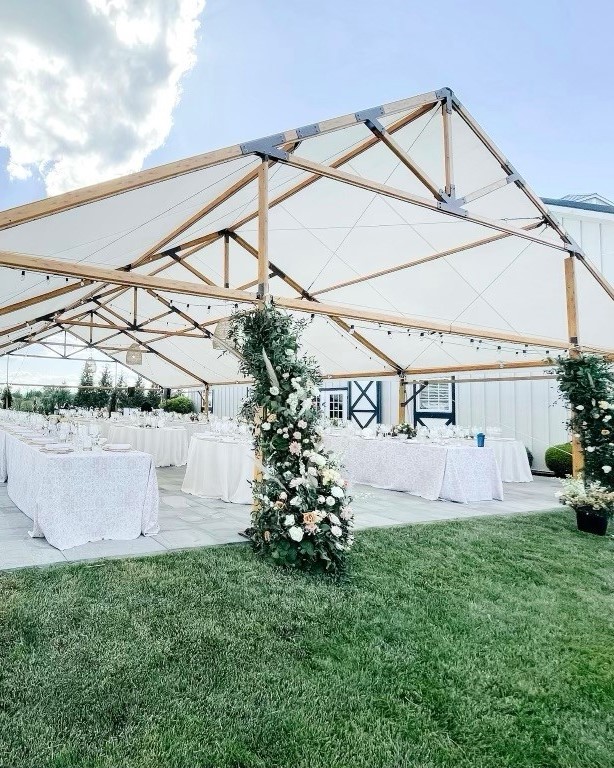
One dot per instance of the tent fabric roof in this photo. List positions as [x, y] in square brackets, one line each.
[402, 229]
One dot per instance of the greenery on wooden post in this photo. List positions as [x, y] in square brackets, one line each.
[301, 516]
[586, 383]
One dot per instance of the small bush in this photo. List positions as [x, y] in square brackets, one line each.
[558, 459]
[179, 404]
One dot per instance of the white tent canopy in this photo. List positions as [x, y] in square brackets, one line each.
[402, 232]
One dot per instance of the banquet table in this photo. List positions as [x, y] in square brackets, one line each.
[82, 496]
[512, 459]
[168, 446]
[459, 473]
[219, 468]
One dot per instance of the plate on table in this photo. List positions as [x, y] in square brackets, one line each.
[118, 447]
[41, 441]
[57, 448]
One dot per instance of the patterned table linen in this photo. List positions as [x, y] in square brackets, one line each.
[79, 497]
[463, 474]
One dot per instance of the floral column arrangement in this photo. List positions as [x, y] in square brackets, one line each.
[586, 383]
[301, 515]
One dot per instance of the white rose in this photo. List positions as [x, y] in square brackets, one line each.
[333, 518]
[590, 448]
[285, 376]
[330, 501]
[297, 435]
[283, 495]
[312, 471]
[266, 426]
[607, 418]
[337, 492]
[335, 530]
[321, 499]
[604, 404]
[296, 533]
[607, 468]
[295, 501]
[579, 407]
[302, 424]
[289, 521]
[274, 391]
[289, 352]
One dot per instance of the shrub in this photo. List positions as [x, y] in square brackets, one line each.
[179, 404]
[558, 459]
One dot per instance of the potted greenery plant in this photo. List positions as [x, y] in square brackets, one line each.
[593, 504]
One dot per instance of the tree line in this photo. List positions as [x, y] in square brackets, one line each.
[105, 394]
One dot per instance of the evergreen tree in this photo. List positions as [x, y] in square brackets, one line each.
[86, 396]
[138, 398]
[154, 396]
[103, 393]
[121, 396]
[7, 397]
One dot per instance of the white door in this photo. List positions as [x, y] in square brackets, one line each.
[334, 404]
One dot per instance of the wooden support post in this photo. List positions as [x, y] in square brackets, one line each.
[446, 111]
[134, 307]
[401, 399]
[263, 229]
[577, 455]
[226, 260]
[206, 401]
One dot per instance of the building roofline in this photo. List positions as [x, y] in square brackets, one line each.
[562, 203]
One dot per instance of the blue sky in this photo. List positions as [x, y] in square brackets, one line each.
[536, 75]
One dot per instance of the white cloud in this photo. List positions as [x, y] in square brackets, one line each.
[89, 87]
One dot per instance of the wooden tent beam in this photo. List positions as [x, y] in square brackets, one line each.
[305, 294]
[422, 202]
[577, 454]
[418, 262]
[263, 230]
[98, 274]
[69, 200]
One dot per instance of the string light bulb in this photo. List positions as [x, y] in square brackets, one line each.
[23, 275]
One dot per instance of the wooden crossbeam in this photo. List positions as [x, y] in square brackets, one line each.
[417, 262]
[305, 294]
[422, 202]
[72, 269]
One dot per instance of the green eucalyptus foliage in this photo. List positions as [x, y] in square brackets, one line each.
[586, 383]
[301, 516]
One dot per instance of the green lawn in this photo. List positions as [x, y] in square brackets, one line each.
[485, 643]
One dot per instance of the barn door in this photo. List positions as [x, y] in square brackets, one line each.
[365, 399]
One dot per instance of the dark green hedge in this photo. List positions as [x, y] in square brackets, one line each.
[558, 459]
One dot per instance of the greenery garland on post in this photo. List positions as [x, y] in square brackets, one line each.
[301, 516]
[586, 383]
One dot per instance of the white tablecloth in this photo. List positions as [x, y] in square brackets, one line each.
[168, 446]
[512, 460]
[82, 496]
[457, 473]
[219, 468]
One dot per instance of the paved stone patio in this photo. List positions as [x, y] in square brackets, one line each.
[187, 521]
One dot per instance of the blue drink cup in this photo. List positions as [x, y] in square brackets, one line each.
[480, 437]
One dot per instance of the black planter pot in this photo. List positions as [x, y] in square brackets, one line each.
[591, 522]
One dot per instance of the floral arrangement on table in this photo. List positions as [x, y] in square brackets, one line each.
[586, 383]
[301, 515]
[580, 495]
[403, 429]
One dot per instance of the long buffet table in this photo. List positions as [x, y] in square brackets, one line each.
[81, 496]
[461, 473]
